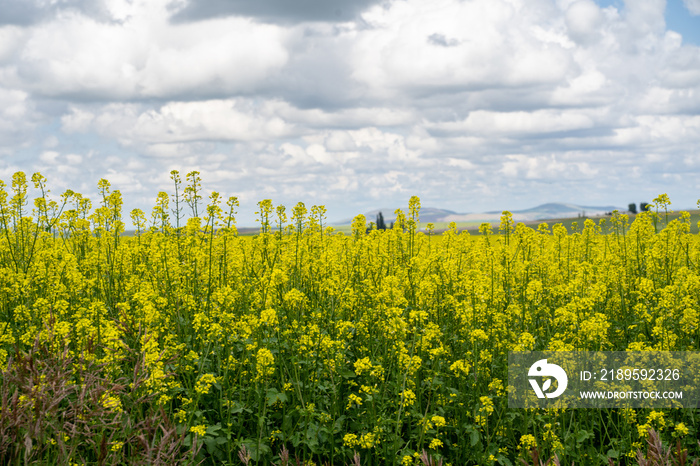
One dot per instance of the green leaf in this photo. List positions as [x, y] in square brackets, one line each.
[211, 444]
[273, 396]
[474, 438]
[503, 460]
[211, 430]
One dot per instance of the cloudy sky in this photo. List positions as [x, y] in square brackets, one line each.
[472, 105]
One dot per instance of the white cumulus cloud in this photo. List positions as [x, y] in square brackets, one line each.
[480, 104]
[693, 6]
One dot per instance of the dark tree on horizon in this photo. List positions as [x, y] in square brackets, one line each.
[643, 206]
[380, 222]
[632, 207]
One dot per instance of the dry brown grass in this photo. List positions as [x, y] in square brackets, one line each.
[656, 455]
[52, 411]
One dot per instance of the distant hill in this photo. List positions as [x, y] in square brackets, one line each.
[557, 210]
[541, 212]
[427, 214]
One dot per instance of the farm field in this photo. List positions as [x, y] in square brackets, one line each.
[187, 343]
[572, 224]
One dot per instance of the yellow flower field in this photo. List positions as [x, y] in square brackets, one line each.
[188, 343]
